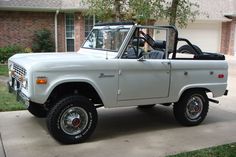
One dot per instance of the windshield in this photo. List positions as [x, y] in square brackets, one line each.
[106, 38]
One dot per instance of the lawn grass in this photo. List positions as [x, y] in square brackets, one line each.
[3, 70]
[8, 101]
[228, 150]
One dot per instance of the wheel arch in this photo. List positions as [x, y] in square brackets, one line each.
[83, 88]
[189, 111]
[206, 90]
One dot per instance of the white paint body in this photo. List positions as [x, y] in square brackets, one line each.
[131, 82]
[134, 82]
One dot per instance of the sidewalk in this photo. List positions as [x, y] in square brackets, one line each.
[2, 150]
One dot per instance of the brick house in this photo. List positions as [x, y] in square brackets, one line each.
[19, 19]
[215, 29]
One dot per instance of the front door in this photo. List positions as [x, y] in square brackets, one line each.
[148, 79]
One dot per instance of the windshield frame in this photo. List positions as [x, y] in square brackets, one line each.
[107, 27]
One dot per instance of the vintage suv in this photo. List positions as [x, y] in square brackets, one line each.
[119, 65]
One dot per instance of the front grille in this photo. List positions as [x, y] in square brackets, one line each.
[20, 71]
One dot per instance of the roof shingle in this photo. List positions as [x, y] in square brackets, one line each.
[210, 9]
[42, 4]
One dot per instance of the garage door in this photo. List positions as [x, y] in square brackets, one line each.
[206, 35]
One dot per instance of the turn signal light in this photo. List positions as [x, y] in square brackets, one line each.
[41, 80]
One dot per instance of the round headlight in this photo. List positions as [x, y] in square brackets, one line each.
[11, 69]
[25, 83]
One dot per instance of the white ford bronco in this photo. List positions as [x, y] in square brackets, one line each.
[118, 65]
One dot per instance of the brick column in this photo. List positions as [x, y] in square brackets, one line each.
[61, 32]
[231, 38]
[228, 37]
[79, 30]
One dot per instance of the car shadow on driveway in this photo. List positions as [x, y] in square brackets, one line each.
[120, 122]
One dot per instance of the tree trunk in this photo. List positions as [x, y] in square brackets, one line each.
[173, 11]
[117, 10]
[173, 14]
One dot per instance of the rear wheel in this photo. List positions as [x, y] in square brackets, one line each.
[192, 108]
[72, 120]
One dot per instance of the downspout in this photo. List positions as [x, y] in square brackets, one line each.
[56, 37]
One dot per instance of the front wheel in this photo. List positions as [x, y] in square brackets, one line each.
[192, 108]
[72, 120]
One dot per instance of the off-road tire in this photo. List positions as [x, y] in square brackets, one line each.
[55, 119]
[182, 112]
[189, 50]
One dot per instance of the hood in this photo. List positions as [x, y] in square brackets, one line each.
[29, 59]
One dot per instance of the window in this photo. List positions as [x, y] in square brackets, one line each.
[106, 39]
[89, 21]
[70, 33]
[148, 43]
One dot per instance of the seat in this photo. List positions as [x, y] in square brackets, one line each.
[132, 52]
[156, 54]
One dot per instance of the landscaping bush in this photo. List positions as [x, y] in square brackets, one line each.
[43, 41]
[8, 51]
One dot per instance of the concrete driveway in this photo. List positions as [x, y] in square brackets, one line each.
[124, 132]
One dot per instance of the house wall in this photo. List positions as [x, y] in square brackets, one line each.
[19, 27]
[205, 34]
[228, 37]
[232, 43]
[79, 30]
[235, 40]
[225, 37]
[61, 32]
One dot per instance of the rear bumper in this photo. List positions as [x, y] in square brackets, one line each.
[21, 97]
[226, 92]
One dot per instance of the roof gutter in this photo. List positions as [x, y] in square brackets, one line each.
[41, 9]
[230, 16]
[56, 35]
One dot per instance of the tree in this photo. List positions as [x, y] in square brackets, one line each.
[142, 10]
[43, 41]
[176, 11]
[119, 10]
[181, 11]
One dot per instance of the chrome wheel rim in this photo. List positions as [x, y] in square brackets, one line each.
[74, 120]
[194, 107]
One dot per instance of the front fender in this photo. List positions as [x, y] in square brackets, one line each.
[42, 92]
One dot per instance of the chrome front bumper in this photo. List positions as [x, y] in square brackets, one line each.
[21, 97]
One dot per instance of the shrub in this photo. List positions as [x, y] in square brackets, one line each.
[43, 41]
[27, 50]
[8, 51]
